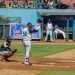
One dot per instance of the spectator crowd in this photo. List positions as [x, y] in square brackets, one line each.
[41, 4]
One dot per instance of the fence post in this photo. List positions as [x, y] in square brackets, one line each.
[67, 30]
[74, 30]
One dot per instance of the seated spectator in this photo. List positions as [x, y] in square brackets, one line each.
[9, 5]
[15, 4]
[36, 3]
[41, 4]
[2, 5]
[25, 4]
[46, 6]
[61, 6]
[73, 6]
[31, 5]
[50, 4]
[20, 4]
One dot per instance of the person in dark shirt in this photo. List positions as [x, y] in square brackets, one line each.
[41, 4]
[62, 6]
[5, 50]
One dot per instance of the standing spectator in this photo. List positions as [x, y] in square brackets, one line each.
[49, 31]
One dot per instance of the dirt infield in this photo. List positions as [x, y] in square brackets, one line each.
[53, 62]
[70, 42]
[60, 61]
[64, 55]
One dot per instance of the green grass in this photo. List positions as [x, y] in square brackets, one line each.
[43, 50]
[57, 73]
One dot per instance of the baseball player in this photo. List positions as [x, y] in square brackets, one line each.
[5, 50]
[49, 31]
[26, 38]
[57, 30]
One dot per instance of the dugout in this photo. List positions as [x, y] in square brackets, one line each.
[4, 30]
[65, 21]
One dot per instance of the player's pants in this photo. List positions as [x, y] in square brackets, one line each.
[6, 54]
[59, 31]
[49, 32]
[3, 53]
[27, 45]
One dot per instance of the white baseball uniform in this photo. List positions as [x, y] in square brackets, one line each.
[26, 35]
[49, 31]
[37, 27]
[57, 30]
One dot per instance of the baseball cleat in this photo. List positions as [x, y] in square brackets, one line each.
[27, 63]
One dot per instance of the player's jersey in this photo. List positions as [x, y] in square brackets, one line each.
[49, 26]
[56, 27]
[26, 35]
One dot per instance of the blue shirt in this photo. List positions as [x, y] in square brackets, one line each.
[41, 5]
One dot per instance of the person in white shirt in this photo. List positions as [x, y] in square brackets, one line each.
[58, 31]
[26, 38]
[49, 31]
[50, 3]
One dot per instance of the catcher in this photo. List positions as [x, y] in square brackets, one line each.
[5, 50]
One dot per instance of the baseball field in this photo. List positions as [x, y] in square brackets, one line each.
[47, 58]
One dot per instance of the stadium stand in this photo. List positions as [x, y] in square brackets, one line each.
[43, 4]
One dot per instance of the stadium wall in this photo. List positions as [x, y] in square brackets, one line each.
[32, 15]
[28, 15]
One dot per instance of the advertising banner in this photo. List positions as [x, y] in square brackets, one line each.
[16, 32]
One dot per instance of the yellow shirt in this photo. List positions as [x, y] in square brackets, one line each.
[8, 6]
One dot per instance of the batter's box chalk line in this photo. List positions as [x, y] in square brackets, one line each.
[48, 64]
